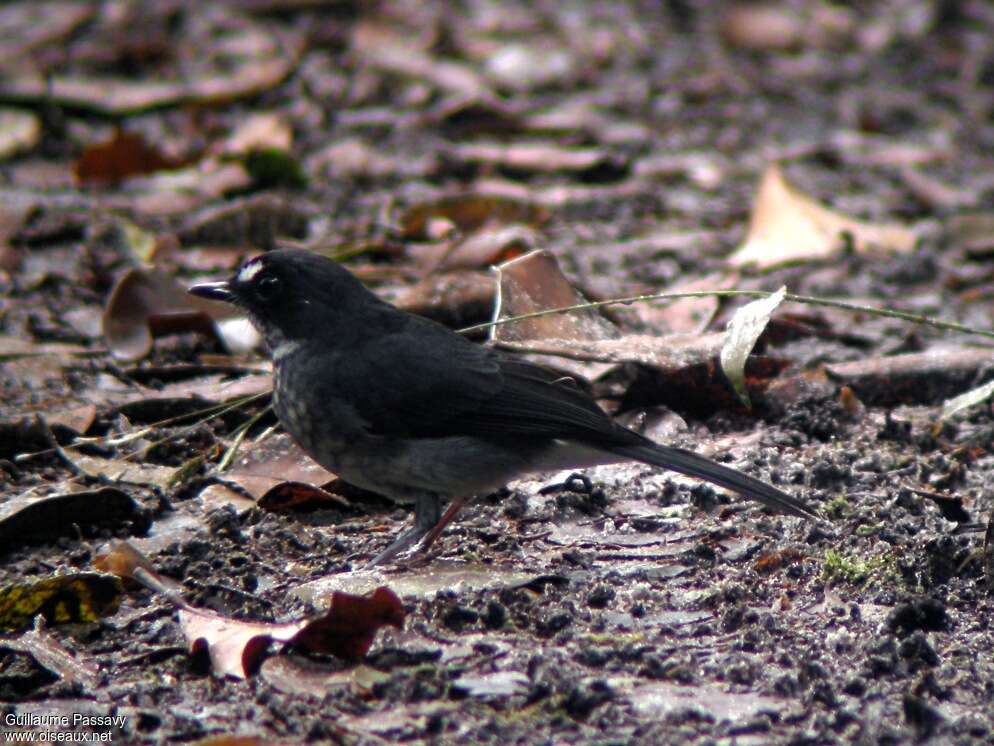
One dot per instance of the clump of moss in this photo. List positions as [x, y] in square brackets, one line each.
[856, 570]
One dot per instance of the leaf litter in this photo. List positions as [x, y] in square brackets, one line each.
[631, 607]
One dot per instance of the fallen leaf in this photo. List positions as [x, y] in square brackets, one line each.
[272, 169]
[686, 315]
[787, 226]
[256, 220]
[300, 677]
[126, 562]
[776, 26]
[481, 248]
[78, 419]
[395, 51]
[125, 154]
[261, 131]
[460, 118]
[20, 131]
[298, 497]
[271, 55]
[148, 303]
[973, 397]
[264, 466]
[456, 299]
[346, 630]
[535, 282]
[120, 470]
[52, 655]
[62, 599]
[28, 520]
[469, 212]
[744, 331]
[589, 164]
[523, 67]
[911, 378]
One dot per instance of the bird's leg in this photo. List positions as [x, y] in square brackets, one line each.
[427, 512]
[450, 513]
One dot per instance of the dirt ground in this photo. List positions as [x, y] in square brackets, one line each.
[144, 146]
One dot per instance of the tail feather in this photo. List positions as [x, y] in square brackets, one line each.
[689, 463]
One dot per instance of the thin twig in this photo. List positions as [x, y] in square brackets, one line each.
[807, 299]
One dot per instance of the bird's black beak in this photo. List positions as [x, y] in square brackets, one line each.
[214, 291]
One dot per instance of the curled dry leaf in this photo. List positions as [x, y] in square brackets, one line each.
[298, 497]
[534, 282]
[744, 330]
[125, 561]
[26, 520]
[787, 226]
[346, 630]
[149, 303]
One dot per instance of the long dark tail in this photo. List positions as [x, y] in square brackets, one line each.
[689, 463]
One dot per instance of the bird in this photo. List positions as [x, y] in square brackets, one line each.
[403, 406]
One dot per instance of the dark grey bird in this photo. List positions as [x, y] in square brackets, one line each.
[402, 406]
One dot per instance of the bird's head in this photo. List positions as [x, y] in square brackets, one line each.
[292, 295]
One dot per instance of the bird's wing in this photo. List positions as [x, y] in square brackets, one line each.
[434, 384]
[414, 385]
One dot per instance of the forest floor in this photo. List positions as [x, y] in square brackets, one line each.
[845, 152]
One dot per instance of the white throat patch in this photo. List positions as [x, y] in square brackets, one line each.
[250, 270]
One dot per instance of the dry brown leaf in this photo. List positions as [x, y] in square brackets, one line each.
[125, 154]
[456, 299]
[469, 212]
[787, 226]
[128, 563]
[535, 282]
[148, 303]
[346, 630]
[299, 497]
[26, 520]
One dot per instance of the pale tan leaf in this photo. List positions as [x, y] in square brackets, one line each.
[788, 226]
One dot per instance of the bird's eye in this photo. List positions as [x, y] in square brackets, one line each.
[268, 287]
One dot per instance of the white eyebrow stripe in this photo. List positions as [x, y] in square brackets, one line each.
[250, 270]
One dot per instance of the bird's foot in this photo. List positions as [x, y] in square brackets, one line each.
[407, 542]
